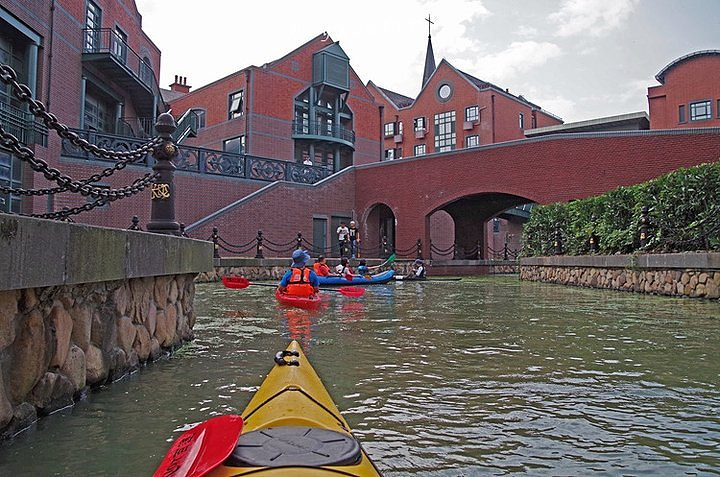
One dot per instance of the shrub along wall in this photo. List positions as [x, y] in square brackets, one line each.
[683, 211]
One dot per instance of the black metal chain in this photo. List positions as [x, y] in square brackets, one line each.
[24, 94]
[10, 142]
[140, 184]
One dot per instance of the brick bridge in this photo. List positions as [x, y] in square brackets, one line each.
[472, 185]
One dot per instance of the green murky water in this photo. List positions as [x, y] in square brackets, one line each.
[477, 377]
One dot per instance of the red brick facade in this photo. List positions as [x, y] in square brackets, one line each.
[500, 116]
[689, 93]
[270, 93]
[443, 197]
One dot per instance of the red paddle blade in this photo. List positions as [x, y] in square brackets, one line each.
[235, 282]
[202, 448]
[352, 291]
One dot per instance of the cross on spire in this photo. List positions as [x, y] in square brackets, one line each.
[430, 22]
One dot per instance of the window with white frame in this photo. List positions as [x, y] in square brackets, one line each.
[472, 141]
[93, 17]
[235, 145]
[472, 113]
[389, 129]
[521, 121]
[419, 124]
[420, 150]
[700, 110]
[395, 153]
[445, 131]
[119, 45]
[236, 103]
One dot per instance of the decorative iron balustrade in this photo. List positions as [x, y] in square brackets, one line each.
[22, 124]
[206, 161]
[321, 128]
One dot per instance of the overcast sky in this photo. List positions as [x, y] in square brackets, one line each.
[578, 59]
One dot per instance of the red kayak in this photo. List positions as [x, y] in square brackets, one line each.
[309, 303]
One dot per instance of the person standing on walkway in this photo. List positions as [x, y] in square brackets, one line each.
[354, 238]
[342, 235]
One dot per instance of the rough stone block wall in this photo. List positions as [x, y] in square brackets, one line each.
[687, 283]
[56, 342]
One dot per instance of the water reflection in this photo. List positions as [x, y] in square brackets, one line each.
[485, 376]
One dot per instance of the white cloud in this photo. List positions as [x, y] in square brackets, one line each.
[594, 17]
[526, 31]
[519, 57]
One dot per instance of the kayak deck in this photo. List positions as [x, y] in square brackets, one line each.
[308, 303]
[292, 427]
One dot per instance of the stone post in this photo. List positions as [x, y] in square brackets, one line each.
[419, 249]
[298, 245]
[162, 214]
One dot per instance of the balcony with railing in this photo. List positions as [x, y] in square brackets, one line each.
[323, 131]
[110, 53]
[205, 161]
[21, 124]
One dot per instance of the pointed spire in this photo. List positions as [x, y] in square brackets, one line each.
[429, 57]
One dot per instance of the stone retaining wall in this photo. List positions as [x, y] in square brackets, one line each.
[695, 275]
[274, 268]
[83, 306]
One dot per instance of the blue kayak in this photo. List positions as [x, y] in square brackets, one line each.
[380, 278]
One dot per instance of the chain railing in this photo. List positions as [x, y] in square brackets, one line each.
[66, 183]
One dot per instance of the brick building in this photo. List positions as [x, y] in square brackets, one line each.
[308, 107]
[455, 110]
[268, 147]
[689, 93]
[93, 67]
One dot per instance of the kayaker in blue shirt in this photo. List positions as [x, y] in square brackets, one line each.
[363, 269]
[299, 280]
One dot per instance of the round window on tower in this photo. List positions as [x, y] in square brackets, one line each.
[444, 92]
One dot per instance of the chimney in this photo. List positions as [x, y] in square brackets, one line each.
[180, 85]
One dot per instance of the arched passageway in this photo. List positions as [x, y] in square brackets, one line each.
[379, 234]
[470, 216]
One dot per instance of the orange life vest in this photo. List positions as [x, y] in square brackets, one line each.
[299, 284]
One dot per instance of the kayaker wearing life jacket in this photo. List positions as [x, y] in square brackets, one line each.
[299, 281]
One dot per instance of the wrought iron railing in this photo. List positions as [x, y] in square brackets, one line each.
[321, 128]
[206, 161]
[22, 124]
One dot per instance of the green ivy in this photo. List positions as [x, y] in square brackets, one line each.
[684, 214]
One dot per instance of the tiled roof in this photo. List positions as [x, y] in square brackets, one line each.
[399, 100]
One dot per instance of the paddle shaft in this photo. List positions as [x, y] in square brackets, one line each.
[391, 258]
[275, 286]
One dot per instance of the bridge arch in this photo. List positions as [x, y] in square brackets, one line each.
[463, 221]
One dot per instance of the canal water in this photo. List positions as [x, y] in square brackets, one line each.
[485, 376]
